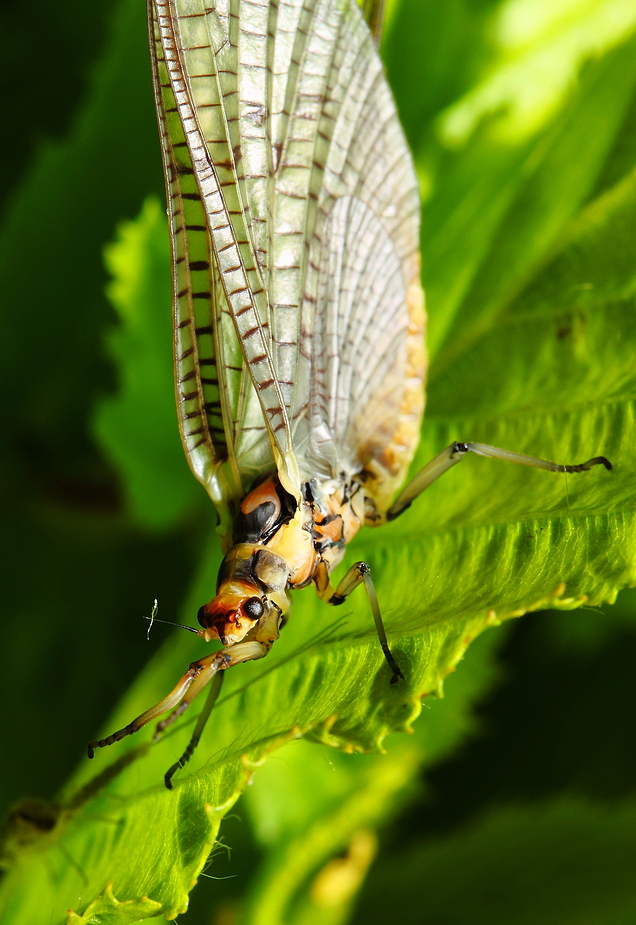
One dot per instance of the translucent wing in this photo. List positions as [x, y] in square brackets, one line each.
[214, 261]
[361, 356]
[295, 221]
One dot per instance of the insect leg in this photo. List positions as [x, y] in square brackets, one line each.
[204, 715]
[256, 647]
[195, 679]
[456, 452]
[207, 668]
[167, 703]
[265, 633]
[357, 574]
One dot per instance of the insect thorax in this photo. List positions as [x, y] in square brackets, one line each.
[275, 536]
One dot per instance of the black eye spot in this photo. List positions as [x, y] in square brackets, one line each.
[202, 617]
[253, 608]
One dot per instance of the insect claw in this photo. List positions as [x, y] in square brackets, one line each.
[167, 777]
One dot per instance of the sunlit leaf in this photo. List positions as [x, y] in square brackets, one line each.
[487, 541]
[540, 362]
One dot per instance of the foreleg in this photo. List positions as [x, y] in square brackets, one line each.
[204, 715]
[197, 676]
[266, 632]
[168, 703]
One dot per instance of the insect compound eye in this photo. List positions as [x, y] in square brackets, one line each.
[253, 608]
[202, 617]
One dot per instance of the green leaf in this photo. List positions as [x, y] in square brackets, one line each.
[531, 296]
[509, 217]
[51, 238]
[138, 426]
[107, 909]
[558, 862]
[307, 807]
[103, 827]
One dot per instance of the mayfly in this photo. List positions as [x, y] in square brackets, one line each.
[298, 313]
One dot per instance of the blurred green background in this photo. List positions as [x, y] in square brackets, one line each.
[531, 814]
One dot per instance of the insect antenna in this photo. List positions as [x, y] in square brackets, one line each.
[182, 626]
[154, 619]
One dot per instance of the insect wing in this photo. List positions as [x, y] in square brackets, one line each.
[214, 265]
[374, 15]
[281, 133]
[361, 362]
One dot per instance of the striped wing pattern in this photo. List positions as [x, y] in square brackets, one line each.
[294, 215]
